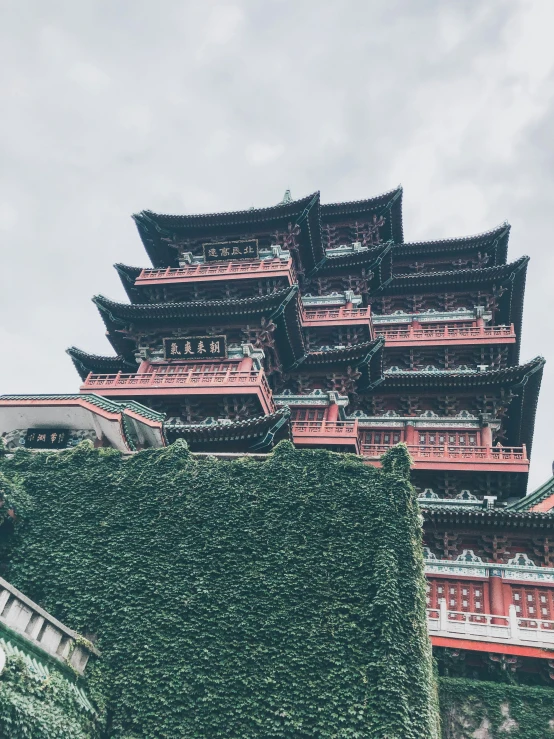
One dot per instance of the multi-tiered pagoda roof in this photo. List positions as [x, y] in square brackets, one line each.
[318, 323]
[312, 298]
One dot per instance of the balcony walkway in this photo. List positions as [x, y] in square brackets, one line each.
[326, 433]
[336, 317]
[445, 335]
[512, 633]
[443, 457]
[183, 381]
[215, 271]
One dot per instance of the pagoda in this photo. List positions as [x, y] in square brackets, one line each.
[318, 323]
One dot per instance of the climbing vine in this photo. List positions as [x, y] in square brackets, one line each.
[33, 709]
[474, 708]
[282, 598]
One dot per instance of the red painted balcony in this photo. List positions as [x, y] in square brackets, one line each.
[326, 433]
[179, 380]
[335, 316]
[510, 634]
[215, 271]
[445, 457]
[446, 334]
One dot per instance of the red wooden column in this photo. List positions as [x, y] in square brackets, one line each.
[333, 413]
[496, 596]
[410, 435]
[486, 437]
[246, 364]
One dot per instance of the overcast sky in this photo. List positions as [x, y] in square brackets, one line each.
[109, 107]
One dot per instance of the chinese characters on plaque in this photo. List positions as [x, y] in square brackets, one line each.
[46, 438]
[196, 347]
[231, 250]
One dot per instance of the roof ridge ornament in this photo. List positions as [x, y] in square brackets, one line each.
[287, 198]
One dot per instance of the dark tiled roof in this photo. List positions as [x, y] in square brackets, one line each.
[377, 260]
[128, 275]
[106, 404]
[523, 380]
[348, 355]
[389, 205]
[366, 356]
[115, 313]
[493, 517]
[85, 363]
[510, 276]
[203, 221]
[157, 229]
[260, 432]
[537, 496]
[495, 242]
[280, 307]
[428, 281]
[419, 380]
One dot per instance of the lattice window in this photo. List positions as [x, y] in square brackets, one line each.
[382, 437]
[462, 596]
[308, 414]
[453, 438]
[534, 603]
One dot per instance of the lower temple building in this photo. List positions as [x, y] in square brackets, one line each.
[318, 323]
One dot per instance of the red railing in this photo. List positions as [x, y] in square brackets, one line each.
[224, 380]
[323, 428]
[338, 315]
[445, 452]
[447, 333]
[220, 270]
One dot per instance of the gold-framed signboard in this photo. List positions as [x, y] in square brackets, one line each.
[231, 251]
[195, 347]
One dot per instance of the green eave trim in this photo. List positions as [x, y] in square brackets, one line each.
[537, 496]
[99, 401]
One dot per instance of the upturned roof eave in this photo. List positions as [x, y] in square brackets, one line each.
[403, 283]
[85, 362]
[366, 259]
[509, 376]
[121, 313]
[156, 230]
[497, 518]
[496, 238]
[347, 355]
[128, 275]
[537, 496]
[523, 380]
[280, 307]
[168, 224]
[107, 404]
[250, 429]
[390, 201]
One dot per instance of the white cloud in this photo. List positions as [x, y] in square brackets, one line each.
[222, 105]
[8, 217]
[223, 24]
[89, 76]
[260, 153]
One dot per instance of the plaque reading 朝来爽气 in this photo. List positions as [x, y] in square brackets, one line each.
[196, 347]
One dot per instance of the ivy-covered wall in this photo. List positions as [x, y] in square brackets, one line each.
[47, 709]
[240, 599]
[472, 709]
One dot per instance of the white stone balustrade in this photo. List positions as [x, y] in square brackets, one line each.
[511, 629]
[32, 623]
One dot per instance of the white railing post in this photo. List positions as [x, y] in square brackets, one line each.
[513, 625]
[443, 615]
